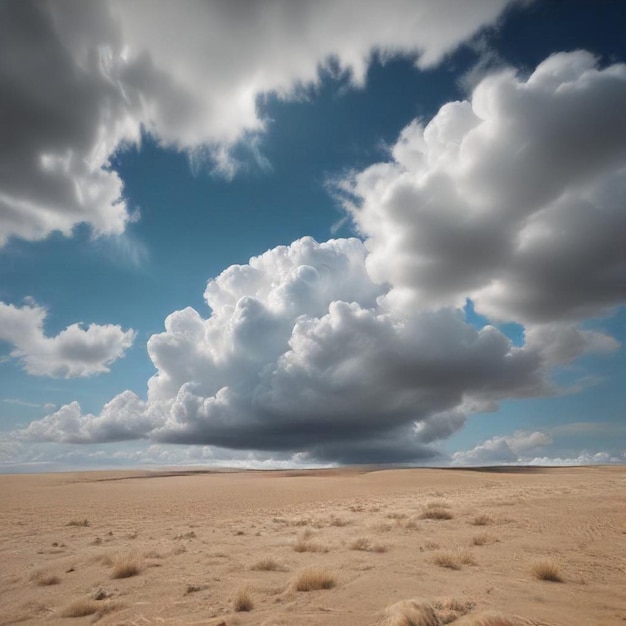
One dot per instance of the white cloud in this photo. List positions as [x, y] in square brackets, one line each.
[80, 80]
[75, 351]
[297, 356]
[513, 198]
[503, 450]
[529, 448]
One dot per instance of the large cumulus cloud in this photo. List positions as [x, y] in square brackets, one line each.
[75, 351]
[297, 356]
[81, 79]
[514, 198]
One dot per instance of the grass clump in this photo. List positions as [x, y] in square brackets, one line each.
[305, 544]
[547, 569]
[83, 523]
[365, 545]
[243, 601]
[454, 559]
[81, 608]
[482, 520]
[481, 539]
[381, 527]
[267, 565]
[313, 579]
[436, 511]
[397, 516]
[125, 566]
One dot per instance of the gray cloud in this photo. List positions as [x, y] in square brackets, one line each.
[75, 351]
[79, 80]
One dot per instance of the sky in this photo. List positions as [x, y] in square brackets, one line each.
[272, 234]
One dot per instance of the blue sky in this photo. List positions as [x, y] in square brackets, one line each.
[433, 199]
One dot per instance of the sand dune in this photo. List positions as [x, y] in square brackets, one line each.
[333, 547]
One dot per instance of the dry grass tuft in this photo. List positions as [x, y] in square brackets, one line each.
[195, 588]
[83, 523]
[451, 609]
[125, 566]
[365, 545]
[267, 565]
[313, 579]
[243, 601]
[362, 543]
[482, 520]
[453, 559]
[382, 527]
[304, 544]
[436, 511]
[547, 569]
[410, 613]
[481, 539]
[81, 608]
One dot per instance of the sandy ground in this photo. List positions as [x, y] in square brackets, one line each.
[193, 541]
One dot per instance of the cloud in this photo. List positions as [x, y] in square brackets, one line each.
[503, 450]
[298, 357]
[513, 198]
[75, 351]
[528, 448]
[81, 80]
[351, 351]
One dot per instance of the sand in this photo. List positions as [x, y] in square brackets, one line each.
[191, 541]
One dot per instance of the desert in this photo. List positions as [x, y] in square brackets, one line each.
[340, 547]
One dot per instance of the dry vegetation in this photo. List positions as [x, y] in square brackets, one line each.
[454, 559]
[81, 523]
[436, 511]
[267, 565]
[125, 566]
[482, 520]
[547, 569]
[481, 539]
[313, 579]
[306, 544]
[365, 545]
[243, 601]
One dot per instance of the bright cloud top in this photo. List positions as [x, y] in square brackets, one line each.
[514, 198]
[75, 351]
[82, 79]
[359, 352]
